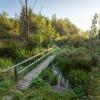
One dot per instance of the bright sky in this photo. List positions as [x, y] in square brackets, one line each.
[80, 12]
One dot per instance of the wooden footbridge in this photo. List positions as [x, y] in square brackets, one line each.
[36, 65]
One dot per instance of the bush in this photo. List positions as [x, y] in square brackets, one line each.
[17, 95]
[70, 95]
[22, 53]
[95, 59]
[46, 93]
[74, 58]
[49, 76]
[34, 41]
[84, 62]
[53, 81]
[80, 91]
[38, 82]
[4, 86]
[77, 77]
[8, 52]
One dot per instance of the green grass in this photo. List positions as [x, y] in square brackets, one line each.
[47, 93]
[5, 87]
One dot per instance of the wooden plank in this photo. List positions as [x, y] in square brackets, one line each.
[25, 83]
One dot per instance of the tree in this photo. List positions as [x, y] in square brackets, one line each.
[64, 27]
[93, 31]
[5, 25]
[23, 22]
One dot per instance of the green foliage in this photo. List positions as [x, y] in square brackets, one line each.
[74, 58]
[4, 22]
[8, 25]
[80, 91]
[70, 95]
[43, 32]
[22, 53]
[34, 41]
[98, 51]
[17, 95]
[95, 59]
[38, 82]
[8, 52]
[23, 22]
[75, 64]
[49, 76]
[94, 27]
[5, 63]
[93, 89]
[63, 27]
[4, 86]
[77, 77]
[46, 93]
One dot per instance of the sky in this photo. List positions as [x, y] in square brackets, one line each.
[80, 12]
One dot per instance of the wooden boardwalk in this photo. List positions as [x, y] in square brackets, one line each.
[26, 82]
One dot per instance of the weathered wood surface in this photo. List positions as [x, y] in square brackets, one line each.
[26, 82]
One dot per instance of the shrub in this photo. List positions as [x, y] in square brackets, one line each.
[4, 86]
[49, 76]
[38, 82]
[53, 80]
[84, 62]
[17, 95]
[8, 52]
[77, 77]
[70, 95]
[80, 91]
[74, 58]
[34, 41]
[95, 59]
[21, 54]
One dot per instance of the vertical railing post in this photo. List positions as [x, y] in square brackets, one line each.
[16, 74]
[45, 53]
[36, 62]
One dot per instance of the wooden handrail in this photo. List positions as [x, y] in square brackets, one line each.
[16, 72]
[15, 66]
[33, 63]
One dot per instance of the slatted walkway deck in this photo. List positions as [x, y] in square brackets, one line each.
[25, 83]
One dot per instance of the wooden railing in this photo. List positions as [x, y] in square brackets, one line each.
[37, 58]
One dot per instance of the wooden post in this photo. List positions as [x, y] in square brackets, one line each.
[36, 62]
[16, 74]
[45, 53]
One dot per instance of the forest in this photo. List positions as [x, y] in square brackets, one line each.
[75, 72]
